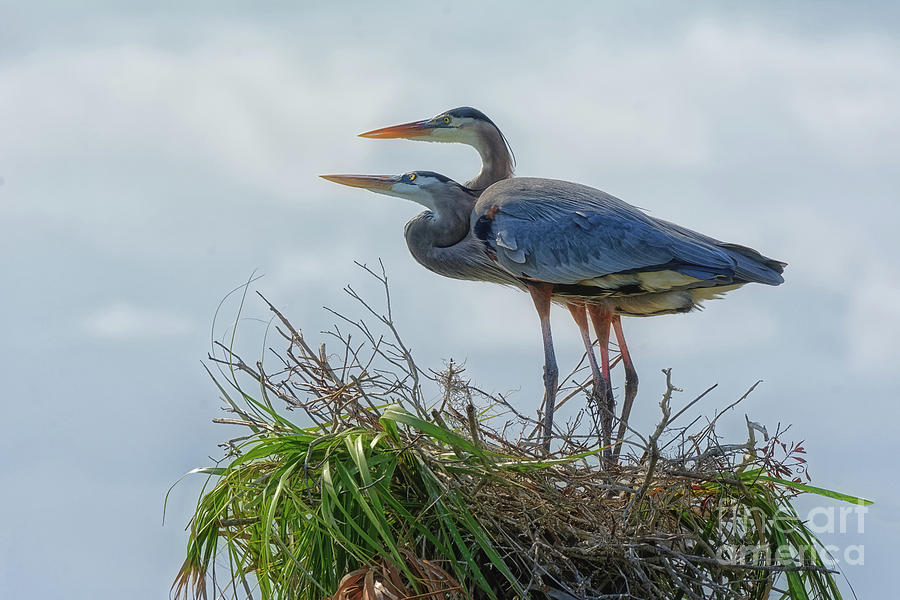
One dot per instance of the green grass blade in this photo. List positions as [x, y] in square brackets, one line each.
[812, 489]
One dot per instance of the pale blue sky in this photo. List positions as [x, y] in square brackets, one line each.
[152, 158]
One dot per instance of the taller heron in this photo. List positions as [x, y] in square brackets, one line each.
[463, 125]
[567, 243]
[470, 126]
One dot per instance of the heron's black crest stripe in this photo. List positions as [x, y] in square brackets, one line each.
[467, 112]
[445, 179]
[438, 176]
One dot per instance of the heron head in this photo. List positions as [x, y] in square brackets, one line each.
[463, 125]
[423, 187]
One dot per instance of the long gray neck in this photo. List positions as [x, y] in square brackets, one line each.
[441, 241]
[445, 226]
[464, 259]
[496, 160]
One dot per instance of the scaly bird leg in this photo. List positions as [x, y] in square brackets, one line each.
[601, 318]
[540, 294]
[579, 314]
[631, 384]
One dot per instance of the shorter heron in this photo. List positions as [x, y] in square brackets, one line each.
[567, 243]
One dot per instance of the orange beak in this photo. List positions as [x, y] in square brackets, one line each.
[416, 129]
[366, 182]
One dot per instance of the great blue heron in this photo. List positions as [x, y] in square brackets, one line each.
[568, 243]
[463, 125]
[470, 126]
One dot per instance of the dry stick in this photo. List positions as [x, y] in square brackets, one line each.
[706, 432]
[653, 450]
[686, 408]
[739, 566]
[388, 322]
[237, 362]
[447, 386]
[712, 423]
[473, 426]
[579, 387]
[624, 422]
[362, 392]
[297, 338]
[243, 422]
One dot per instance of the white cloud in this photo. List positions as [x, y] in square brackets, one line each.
[239, 103]
[740, 324]
[261, 111]
[490, 314]
[873, 322]
[123, 321]
[295, 269]
[831, 256]
[679, 101]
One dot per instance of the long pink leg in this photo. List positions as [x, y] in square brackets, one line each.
[631, 383]
[579, 315]
[601, 384]
[540, 294]
[601, 318]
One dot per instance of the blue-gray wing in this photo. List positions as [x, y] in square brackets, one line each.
[565, 233]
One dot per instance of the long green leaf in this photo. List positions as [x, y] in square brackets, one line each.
[756, 475]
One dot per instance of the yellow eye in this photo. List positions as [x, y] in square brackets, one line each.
[446, 120]
[412, 176]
